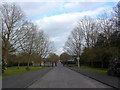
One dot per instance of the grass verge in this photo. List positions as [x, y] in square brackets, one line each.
[98, 70]
[12, 71]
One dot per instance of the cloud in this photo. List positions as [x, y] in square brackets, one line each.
[37, 10]
[80, 6]
[60, 0]
[34, 10]
[59, 18]
[58, 27]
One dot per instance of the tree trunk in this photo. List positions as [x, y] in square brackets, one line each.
[92, 65]
[18, 66]
[55, 63]
[28, 64]
[40, 63]
[6, 56]
[79, 61]
[28, 68]
[52, 64]
[102, 64]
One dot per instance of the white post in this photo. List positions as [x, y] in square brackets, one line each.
[32, 63]
[78, 61]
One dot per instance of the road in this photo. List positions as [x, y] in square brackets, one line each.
[62, 77]
[24, 80]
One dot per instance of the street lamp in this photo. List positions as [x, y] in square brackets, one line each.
[78, 61]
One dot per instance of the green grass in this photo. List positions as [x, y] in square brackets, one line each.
[11, 71]
[98, 70]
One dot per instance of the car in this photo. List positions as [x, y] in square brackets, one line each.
[114, 68]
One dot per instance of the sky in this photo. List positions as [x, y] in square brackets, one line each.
[58, 19]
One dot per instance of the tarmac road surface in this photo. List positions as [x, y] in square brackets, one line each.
[62, 77]
[24, 80]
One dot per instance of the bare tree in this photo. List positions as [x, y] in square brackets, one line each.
[43, 45]
[21, 36]
[117, 15]
[12, 17]
[73, 45]
[53, 58]
[27, 39]
[64, 57]
[105, 23]
[89, 28]
[84, 35]
[34, 42]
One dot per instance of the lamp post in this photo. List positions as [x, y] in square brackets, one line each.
[78, 61]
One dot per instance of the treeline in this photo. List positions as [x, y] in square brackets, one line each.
[22, 40]
[96, 41]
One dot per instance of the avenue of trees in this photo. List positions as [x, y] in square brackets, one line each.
[53, 58]
[22, 41]
[65, 57]
[96, 41]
